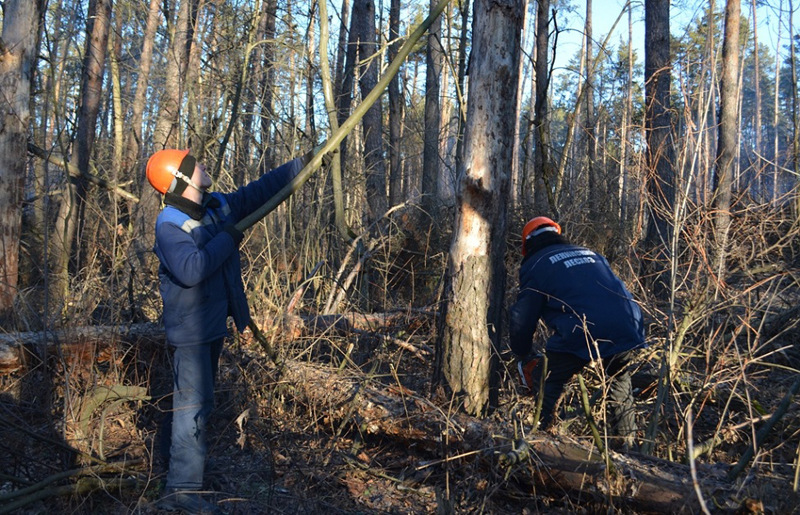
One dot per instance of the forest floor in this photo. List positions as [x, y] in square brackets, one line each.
[273, 451]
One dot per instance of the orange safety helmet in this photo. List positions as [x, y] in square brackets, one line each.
[540, 222]
[165, 167]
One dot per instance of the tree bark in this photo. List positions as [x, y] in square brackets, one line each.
[20, 37]
[728, 130]
[166, 133]
[624, 130]
[430, 154]
[395, 111]
[71, 211]
[757, 87]
[134, 140]
[658, 129]
[544, 202]
[462, 72]
[776, 110]
[375, 167]
[594, 185]
[469, 330]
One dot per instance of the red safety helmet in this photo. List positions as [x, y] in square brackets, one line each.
[534, 225]
[165, 167]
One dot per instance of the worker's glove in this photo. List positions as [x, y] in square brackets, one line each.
[235, 233]
[328, 157]
[526, 367]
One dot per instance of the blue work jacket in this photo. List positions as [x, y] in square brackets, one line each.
[575, 292]
[200, 270]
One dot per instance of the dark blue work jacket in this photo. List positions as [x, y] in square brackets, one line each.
[200, 270]
[580, 299]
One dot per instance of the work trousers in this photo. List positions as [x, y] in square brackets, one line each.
[194, 369]
[562, 366]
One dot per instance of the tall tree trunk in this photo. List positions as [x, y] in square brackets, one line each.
[795, 113]
[430, 156]
[462, 72]
[134, 140]
[375, 167]
[594, 185]
[658, 126]
[776, 110]
[469, 328]
[167, 128]
[252, 94]
[71, 212]
[342, 47]
[544, 201]
[516, 161]
[20, 38]
[727, 144]
[757, 86]
[345, 80]
[395, 111]
[267, 88]
[311, 128]
[626, 121]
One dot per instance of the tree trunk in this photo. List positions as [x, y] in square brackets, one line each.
[519, 150]
[430, 156]
[166, 133]
[375, 167]
[21, 23]
[795, 113]
[462, 72]
[594, 185]
[728, 129]
[395, 111]
[757, 119]
[658, 126]
[626, 121]
[252, 96]
[776, 110]
[134, 140]
[469, 329]
[71, 212]
[544, 202]
[267, 89]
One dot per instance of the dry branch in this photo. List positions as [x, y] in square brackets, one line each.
[12, 345]
[560, 465]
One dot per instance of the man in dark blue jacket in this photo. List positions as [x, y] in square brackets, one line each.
[592, 316]
[197, 245]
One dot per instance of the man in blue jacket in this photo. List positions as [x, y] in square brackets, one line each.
[197, 244]
[592, 316]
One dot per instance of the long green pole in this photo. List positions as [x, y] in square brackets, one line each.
[348, 125]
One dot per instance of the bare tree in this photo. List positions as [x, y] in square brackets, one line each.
[594, 185]
[166, 131]
[134, 140]
[658, 128]
[71, 216]
[757, 86]
[544, 200]
[469, 327]
[18, 46]
[624, 129]
[364, 26]
[430, 159]
[728, 131]
[395, 110]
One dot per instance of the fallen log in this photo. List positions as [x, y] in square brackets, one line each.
[77, 339]
[77, 342]
[558, 465]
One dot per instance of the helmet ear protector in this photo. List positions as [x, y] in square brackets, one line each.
[183, 177]
[171, 170]
[537, 226]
